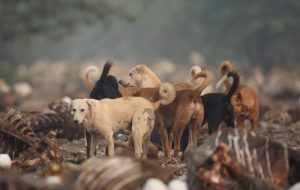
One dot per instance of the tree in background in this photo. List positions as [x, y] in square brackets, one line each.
[56, 18]
[258, 31]
[21, 19]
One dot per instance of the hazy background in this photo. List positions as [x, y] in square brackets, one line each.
[45, 46]
[263, 33]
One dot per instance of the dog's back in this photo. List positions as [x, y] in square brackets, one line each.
[106, 86]
[214, 103]
[218, 107]
[122, 107]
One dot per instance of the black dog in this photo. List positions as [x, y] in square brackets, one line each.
[217, 108]
[105, 87]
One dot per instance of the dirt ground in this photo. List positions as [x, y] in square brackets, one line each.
[74, 151]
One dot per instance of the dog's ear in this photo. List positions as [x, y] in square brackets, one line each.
[91, 106]
[69, 105]
[141, 68]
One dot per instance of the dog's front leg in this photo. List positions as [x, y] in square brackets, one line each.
[88, 137]
[95, 140]
[110, 143]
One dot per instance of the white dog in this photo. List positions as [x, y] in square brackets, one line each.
[107, 116]
[140, 77]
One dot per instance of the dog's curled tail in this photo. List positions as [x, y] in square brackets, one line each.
[167, 94]
[208, 78]
[235, 84]
[88, 82]
[226, 67]
[106, 68]
[194, 71]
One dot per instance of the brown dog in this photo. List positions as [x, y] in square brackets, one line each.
[185, 110]
[245, 101]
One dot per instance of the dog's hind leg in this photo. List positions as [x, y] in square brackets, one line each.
[163, 135]
[213, 125]
[142, 126]
[138, 143]
[145, 145]
[183, 116]
[254, 123]
[196, 127]
[171, 139]
[240, 122]
[229, 120]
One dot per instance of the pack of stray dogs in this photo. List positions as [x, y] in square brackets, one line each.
[161, 115]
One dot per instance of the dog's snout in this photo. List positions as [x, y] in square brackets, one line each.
[120, 81]
[76, 121]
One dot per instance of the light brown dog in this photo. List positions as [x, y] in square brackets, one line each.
[245, 101]
[185, 110]
[140, 76]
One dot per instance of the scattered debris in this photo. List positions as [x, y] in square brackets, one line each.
[257, 156]
[120, 173]
[28, 150]
[221, 170]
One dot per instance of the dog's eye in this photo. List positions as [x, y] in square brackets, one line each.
[130, 74]
[74, 110]
[82, 110]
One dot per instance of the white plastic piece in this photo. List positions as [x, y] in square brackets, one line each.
[5, 161]
[177, 184]
[154, 184]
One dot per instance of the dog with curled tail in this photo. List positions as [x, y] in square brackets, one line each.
[107, 116]
[245, 100]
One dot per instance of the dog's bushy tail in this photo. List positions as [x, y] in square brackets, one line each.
[208, 78]
[88, 82]
[167, 94]
[226, 67]
[235, 84]
[194, 70]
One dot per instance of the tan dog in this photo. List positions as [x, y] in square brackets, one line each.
[143, 77]
[107, 116]
[140, 77]
[185, 110]
[245, 101]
